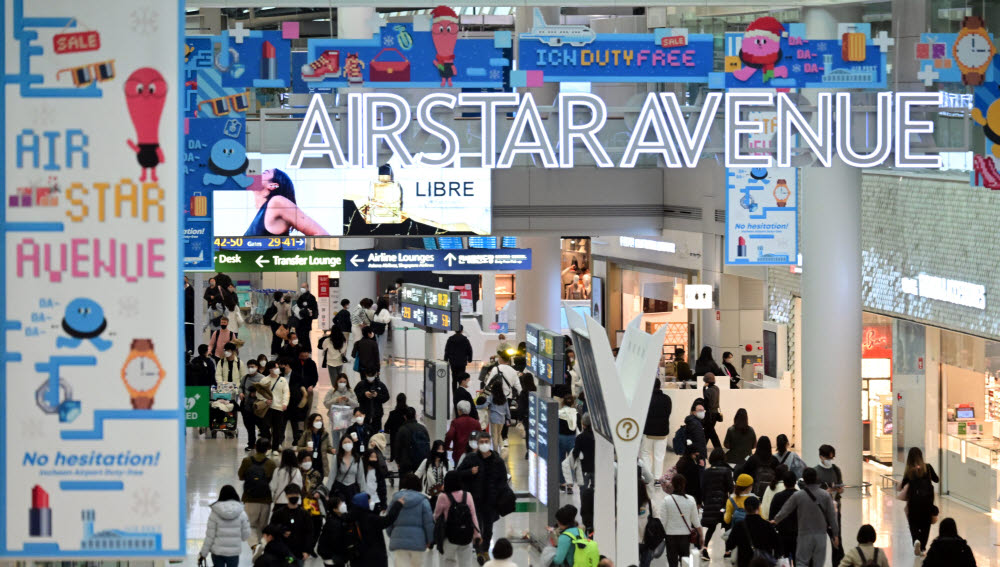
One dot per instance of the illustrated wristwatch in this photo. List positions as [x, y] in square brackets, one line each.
[142, 373]
[973, 50]
[781, 192]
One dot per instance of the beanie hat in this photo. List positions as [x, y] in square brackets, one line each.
[445, 14]
[766, 27]
[744, 481]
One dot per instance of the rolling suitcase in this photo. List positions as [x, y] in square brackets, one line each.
[853, 46]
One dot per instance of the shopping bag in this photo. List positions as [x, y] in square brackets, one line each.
[389, 71]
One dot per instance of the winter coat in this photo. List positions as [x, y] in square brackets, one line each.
[431, 475]
[458, 350]
[373, 406]
[486, 484]
[276, 554]
[283, 312]
[228, 528]
[457, 438]
[716, 486]
[658, 417]
[281, 479]
[949, 551]
[755, 533]
[739, 443]
[308, 308]
[413, 529]
[328, 546]
[200, 372]
[332, 356]
[695, 431]
[269, 467]
[320, 450]
[702, 368]
[366, 351]
[279, 391]
[396, 419]
[342, 321]
[791, 460]
[299, 522]
[406, 439]
[222, 371]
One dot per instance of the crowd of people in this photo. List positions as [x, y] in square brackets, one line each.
[354, 485]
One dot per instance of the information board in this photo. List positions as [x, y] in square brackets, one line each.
[93, 403]
[762, 216]
[545, 354]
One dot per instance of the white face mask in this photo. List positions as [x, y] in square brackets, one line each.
[295, 341]
[347, 447]
[371, 378]
[484, 447]
[342, 508]
[827, 463]
[341, 386]
[318, 424]
[700, 415]
[303, 289]
[252, 370]
[359, 420]
[306, 465]
[275, 371]
[228, 353]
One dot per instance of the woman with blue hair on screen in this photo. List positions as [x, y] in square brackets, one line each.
[277, 213]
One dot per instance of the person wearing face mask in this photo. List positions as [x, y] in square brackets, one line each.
[366, 353]
[484, 475]
[375, 472]
[432, 471]
[312, 476]
[314, 493]
[829, 476]
[220, 338]
[694, 428]
[248, 395]
[347, 476]
[334, 349]
[413, 443]
[229, 369]
[213, 294]
[290, 348]
[340, 395]
[302, 379]
[286, 474]
[277, 316]
[307, 310]
[358, 431]
[336, 531]
[459, 431]
[275, 417]
[274, 552]
[317, 442]
[372, 396]
[297, 523]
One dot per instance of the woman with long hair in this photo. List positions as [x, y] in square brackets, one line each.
[287, 473]
[761, 466]
[382, 321]
[740, 438]
[277, 212]
[789, 458]
[716, 486]
[228, 528]
[706, 363]
[917, 480]
[396, 419]
[432, 471]
[334, 347]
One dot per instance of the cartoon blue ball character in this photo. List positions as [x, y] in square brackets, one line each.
[84, 319]
[758, 173]
[227, 160]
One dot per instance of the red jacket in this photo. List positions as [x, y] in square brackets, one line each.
[457, 438]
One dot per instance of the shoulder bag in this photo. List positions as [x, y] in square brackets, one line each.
[694, 535]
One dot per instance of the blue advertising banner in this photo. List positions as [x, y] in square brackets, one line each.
[437, 260]
[258, 59]
[986, 114]
[427, 53]
[968, 62]
[548, 55]
[762, 216]
[769, 55]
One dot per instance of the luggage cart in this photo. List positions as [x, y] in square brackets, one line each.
[219, 420]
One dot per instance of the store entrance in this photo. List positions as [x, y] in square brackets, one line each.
[876, 387]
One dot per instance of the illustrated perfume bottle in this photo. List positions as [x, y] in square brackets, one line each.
[385, 198]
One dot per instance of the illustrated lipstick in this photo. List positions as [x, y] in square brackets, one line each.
[40, 515]
[741, 247]
[268, 62]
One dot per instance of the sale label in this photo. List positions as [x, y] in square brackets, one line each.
[76, 42]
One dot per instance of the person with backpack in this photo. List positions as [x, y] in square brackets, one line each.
[787, 457]
[458, 353]
[735, 512]
[457, 438]
[413, 444]
[681, 521]
[499, 390]
[918, 492]
[372, 395]
[740, 439]
[865, 554]
[773, 488]
[457, 510]
[287, 473]
[412, 534]
[949, 549]
[395, 420]
[297, 522]
[228, 527]
[220, 338]
[716, 486]
[761, 466]
[830, 478]
[693, 431]
[814, 510]
[256, 472]
[484, 475]
[755, 537]
[201, 369]
[656, 430]
[573, 547]
[338, 542]
[788, 528]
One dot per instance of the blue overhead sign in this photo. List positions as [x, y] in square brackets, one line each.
[437, 260]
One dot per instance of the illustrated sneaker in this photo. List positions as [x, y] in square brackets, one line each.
[326, 65]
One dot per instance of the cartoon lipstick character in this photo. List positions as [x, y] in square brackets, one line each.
[444, 32]
[145, 94]
[761, 49]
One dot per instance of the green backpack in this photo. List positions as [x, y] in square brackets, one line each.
[585, 553]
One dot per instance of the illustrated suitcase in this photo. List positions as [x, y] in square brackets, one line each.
[389, 71]
[853, 46]
[199, 205]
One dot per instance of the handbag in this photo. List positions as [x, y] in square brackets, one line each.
[389, 71]
[357, 364]
[281, 332]
[903, 495]
[694, 536]
[506, 501]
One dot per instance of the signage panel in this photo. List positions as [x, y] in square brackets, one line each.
[93, 398]
[280, 261]
[438, 260]
[412, 314]
[441, 320]
[269, 243]
[412, 294]
[762, 216]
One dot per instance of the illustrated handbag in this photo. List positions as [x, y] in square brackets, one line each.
[199, 205]
[389, 71]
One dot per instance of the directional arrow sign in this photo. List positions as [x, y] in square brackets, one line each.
[355, 260]
[450, 258]
[280, 261]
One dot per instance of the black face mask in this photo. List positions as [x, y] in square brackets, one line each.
[293, 500]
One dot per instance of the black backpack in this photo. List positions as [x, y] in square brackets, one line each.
[269, 314]
[496, 390]
[256, 485]
[459, 528]
[420, 445]
[484, 373]
[763, 479]
[350, 541]
[872, 562]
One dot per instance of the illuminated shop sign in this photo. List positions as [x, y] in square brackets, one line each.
[646, 244]
[661, 129]
[944, 289]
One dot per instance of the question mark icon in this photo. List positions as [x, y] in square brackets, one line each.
[627, 429]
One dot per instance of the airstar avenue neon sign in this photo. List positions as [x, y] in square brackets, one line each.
[660, 130]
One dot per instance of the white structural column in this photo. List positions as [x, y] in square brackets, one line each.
[831, 295]
[352, 23]
[537, 289]
[488, 300]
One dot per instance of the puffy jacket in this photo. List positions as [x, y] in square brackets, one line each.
[485, 485]
[279, 391]
[413, 529]
[949, 551]
[457, 438]
[658, 418]
[228, 528]
[276, 554]
[695, 431]
[716, 485]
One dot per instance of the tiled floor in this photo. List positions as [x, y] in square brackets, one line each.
[212, 463]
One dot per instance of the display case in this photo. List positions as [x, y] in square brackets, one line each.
[505, 290]
[972, 465]
[880, 412]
